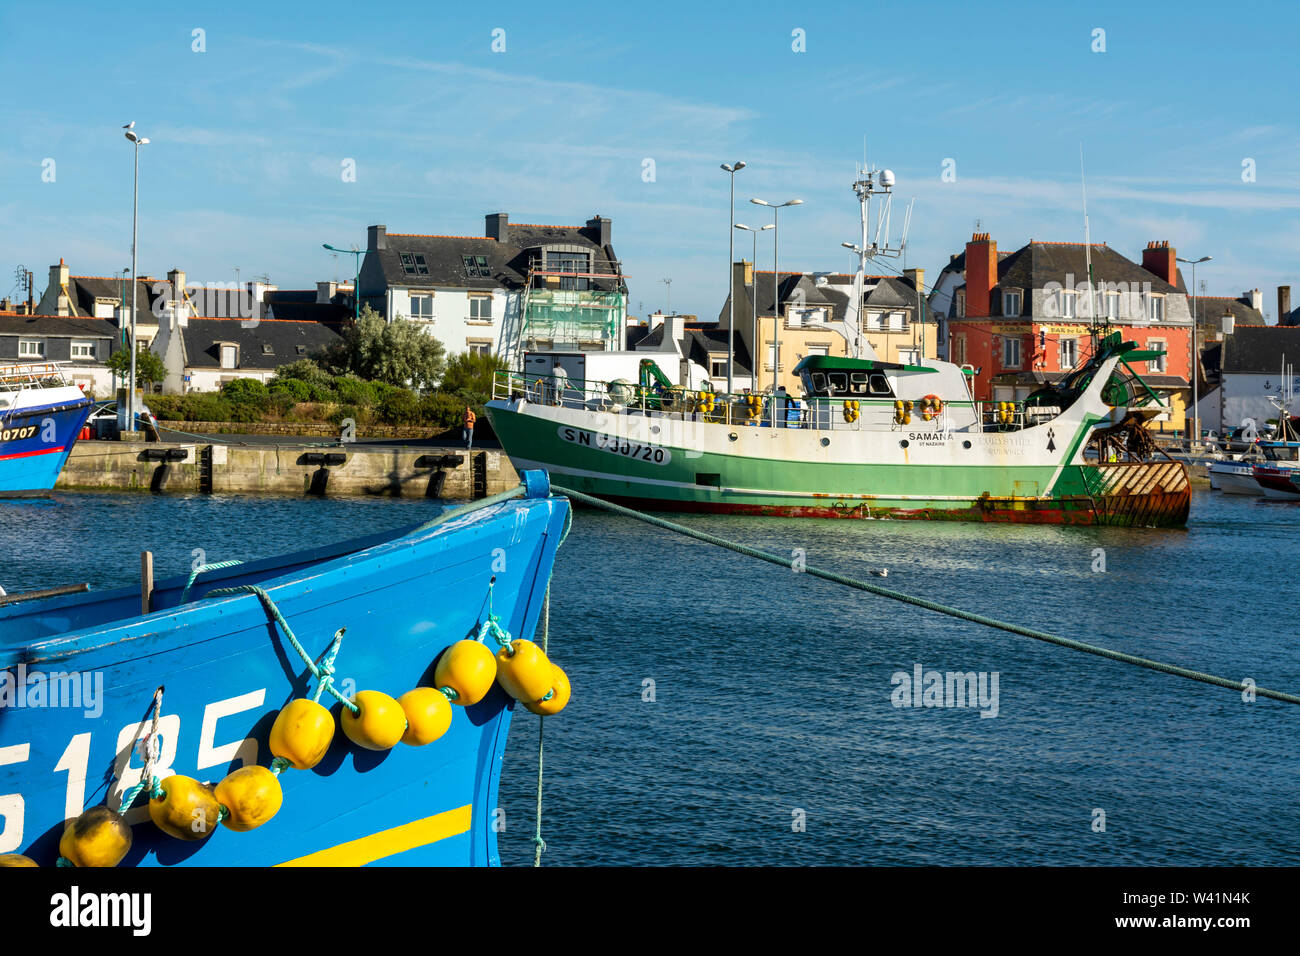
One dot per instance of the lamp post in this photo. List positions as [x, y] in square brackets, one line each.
[1196, 359]
[356, 283]
[138, 141]
[776, 277]
[754, 300]
[731, 276]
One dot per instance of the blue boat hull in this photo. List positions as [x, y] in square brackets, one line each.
[227, 669]
[35, 444]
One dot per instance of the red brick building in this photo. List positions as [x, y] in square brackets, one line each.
[1022, 318]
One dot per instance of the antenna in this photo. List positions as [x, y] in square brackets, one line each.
[1087, 258]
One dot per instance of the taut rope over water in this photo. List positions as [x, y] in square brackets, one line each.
[1095, 649]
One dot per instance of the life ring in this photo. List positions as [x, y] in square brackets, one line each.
[935, 403]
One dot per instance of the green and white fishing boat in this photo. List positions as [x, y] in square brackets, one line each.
[868, 439]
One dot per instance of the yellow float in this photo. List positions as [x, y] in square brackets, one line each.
[99, 837]
[187, 809]
[378, 724]
[467, 668]
[251, 796]
[523, 671]
[302, 733]
[559, 697]
[428, 715]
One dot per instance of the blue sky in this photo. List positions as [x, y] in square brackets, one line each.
[249, 138]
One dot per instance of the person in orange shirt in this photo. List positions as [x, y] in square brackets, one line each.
[468, 433]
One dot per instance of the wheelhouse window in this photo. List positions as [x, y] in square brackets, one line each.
[422, 308]
[31, 348]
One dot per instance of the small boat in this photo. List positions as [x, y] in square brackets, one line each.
[1278, 482]
[1239, 477]
[200, 676]
[41, 415]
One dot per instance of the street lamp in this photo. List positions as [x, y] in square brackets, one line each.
[1196, 359]
[776, 276]
[356, 283]
[754, 303]
[731, 275]
[138, 141]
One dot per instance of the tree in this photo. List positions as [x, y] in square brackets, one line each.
[471, 373]
[149, 367]
[399, 352]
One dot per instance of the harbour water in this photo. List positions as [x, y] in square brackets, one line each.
[727, 711]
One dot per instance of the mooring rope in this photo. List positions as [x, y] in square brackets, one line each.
[539, 845]
[1037, 635]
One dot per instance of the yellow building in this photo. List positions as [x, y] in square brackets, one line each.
[810, 317]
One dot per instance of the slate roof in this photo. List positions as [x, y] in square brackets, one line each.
[54, 325]
[201, 338]
[883, 292]
[84, 290]
[1259, 350]
[1210, 310]
[508, 261]
[1035, 264]
[698, 343]
[313, 311]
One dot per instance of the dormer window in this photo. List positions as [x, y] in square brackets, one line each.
[413, 264]
[1011, 302]
[229, 355]
[1156, 308]
[267, 349]
[476, 267]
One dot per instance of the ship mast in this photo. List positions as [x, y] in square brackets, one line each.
[868, 183]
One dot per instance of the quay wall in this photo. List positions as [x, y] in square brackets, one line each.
[287, 469]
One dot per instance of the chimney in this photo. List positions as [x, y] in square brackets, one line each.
[1229, 322]
[1256, 299]
[325, 292]
[1283, 303]
[6, 305]
[600, 227]
[1160, 259]
[916, 277]
[59, 282]
[981, 273]
[377, 237]
[498, 226]
[749, 272]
